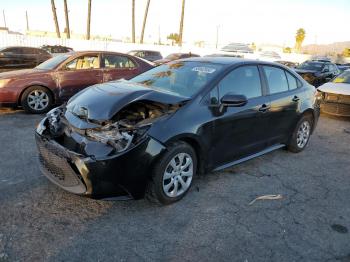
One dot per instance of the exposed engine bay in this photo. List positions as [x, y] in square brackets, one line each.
[126, 128]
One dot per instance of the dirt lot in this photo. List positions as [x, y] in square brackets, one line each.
[214, 222]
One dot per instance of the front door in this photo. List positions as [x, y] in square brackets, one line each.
[118, 67]
[240, 131]
[79, 73]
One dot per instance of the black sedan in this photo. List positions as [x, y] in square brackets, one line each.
[317, 72]
[154, 133]
[21, 57]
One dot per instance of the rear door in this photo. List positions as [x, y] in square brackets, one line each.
[240, 131]
[79, 73]
[284, 94]
[117, 66]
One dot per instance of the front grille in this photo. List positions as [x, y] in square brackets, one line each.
[56, 164]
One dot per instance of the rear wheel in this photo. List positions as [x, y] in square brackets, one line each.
[172, 176]
[36, 100]
[301, 134]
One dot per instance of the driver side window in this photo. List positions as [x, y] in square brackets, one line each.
[244, 80]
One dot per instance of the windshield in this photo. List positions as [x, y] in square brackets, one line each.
[53, 62]
[343, 78]
[181, 78]
[316, 66]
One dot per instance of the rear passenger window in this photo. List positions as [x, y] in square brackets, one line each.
[244, 80]
[292, 81]
[276, 79]
[115, 61]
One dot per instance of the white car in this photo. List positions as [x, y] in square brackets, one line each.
[335, 95]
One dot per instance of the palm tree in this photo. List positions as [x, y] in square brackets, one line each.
[55, 18]
[67, 19]
[133, 21]
[299, 38]
[144, 21]
[182, 22]
[88, 21]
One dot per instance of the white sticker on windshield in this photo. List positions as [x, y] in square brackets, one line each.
[202, 69]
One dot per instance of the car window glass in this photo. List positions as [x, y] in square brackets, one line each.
[292, 81]
[29, 51]
[276, 79]
[84, 62]
[13, 50]
[244, 80]
[117, 61]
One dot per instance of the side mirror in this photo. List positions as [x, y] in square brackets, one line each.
[234, 100]
[325, 70]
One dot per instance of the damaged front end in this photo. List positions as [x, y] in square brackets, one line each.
[101, 158]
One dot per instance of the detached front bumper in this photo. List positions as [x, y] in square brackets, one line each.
[335, 104]
[126, 174]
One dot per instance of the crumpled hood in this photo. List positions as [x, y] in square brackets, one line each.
[24, 73]
[101, 102]
[335, 88]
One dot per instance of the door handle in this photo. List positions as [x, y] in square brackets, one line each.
[264, 108]
[295, 99]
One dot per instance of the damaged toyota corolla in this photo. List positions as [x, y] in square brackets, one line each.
[152, 134]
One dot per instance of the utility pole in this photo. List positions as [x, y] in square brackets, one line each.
[67, 18]
[159, 40]
[182, 22]
[217, 36]
[55, 18]
[133, 21]
[27, 20]
[144, 21]
[88, 21]
[3, 15]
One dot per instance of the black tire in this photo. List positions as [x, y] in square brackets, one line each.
[294, 144]
[155, 191]
[39, 106]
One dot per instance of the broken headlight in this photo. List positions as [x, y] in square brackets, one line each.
[54, 117]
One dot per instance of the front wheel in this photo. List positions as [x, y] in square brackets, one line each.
[301, 134]
[172, 175]
[36, 100]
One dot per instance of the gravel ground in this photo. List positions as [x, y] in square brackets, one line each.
[214, 222]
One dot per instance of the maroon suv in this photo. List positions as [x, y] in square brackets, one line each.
[60, 77]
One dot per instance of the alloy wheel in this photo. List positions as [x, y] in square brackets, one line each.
[38, 100]
[303, 134]
[178, 175]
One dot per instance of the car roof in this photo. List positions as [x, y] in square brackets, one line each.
[143, 50]
[228, 60]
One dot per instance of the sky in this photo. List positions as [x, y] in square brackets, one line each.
[259, 21]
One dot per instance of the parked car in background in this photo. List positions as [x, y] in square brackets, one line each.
[271, 56]
[321, 59]
[57, 49]
[59, 78]
[148, 55]
[226, 54]
[238, 48]
[20, 57]
[317, 72]
[343, 67]
[288, 63]
[175, 56]
[335, 95]
[152, 134]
